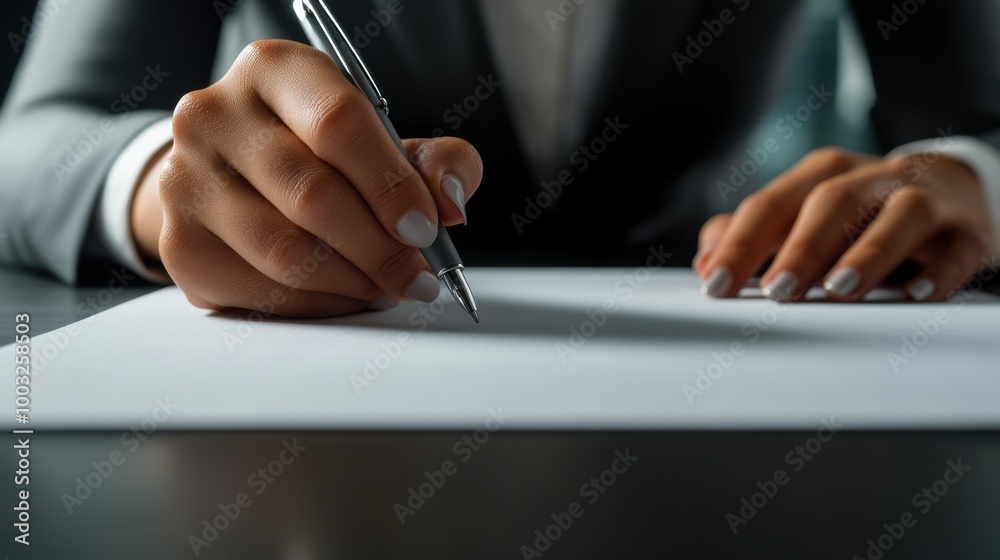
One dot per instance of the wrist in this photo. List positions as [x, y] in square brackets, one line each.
[146, 212]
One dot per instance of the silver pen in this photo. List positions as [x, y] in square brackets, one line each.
[326, 34]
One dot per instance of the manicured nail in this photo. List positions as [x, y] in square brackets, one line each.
[718, 283]
[383, 303]
[417, 229]
[781, 288]
[843, 282]
[425, 288]
[921, 289]
[453, 188]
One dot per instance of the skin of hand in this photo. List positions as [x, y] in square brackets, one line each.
[283, 193]
[848, 220]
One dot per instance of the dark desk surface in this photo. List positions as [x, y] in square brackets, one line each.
[388, 495]
[53, 304]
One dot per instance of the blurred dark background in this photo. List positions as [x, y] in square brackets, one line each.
[12, 23]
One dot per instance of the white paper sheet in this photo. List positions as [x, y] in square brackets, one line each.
[870, 365]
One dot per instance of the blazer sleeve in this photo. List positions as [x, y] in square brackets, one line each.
[935, 68]
[94, 75]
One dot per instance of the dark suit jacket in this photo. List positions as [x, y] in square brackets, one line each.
[654, 185]
[17, 15]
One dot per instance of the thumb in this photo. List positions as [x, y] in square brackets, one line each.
[452, 169]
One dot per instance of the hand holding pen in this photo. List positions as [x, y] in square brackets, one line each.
[326, 34]
[274, 198]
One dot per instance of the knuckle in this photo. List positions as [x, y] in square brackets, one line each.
[917, 203]
[900, 165]
[263, 51]
[284, 249]
[427, 153]
[392, 193]
[831, 158]
[308, 192]
[836, 193]
[911, 168]
[193, 113]
[174, 178]
[171, 242]
[715, 222]
[340, 115]
[452, 152]
[396, 266]
[184, 192]
[180, 248]
[467, 154]
[753, 203]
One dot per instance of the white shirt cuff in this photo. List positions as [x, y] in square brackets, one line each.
[116, 199]
[982, 158]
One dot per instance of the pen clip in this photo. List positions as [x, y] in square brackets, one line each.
[329, 32]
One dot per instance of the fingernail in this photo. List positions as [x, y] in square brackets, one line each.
[843, 282]
[718, 283]
[383, 303]
[781, 288]
[417, 229]
[425, 288]
[921, 289]
[453, 188]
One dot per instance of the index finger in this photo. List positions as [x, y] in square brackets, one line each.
[307, 91]
[763, 220]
